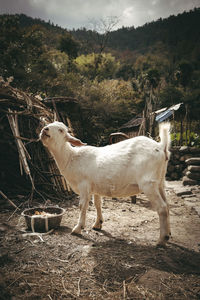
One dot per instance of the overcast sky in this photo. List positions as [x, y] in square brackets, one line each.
[78, 13]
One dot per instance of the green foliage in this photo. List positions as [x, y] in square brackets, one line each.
[12, 56]
[19, 50]
[100, 66]
[158, 61]
[184, 73]
[125, 71]
[191, 138]
[179, 36]
[106, 105]
[170, 95]
[153, 77]
[53, 75]
[68, 45]
[59, 60]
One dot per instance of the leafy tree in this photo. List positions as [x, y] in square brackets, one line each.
[42, 75]
[68, 45]
[155, 65]
[12, 56]
[59, 60]
[53, 75]
[93, 65]
[170, 95]
[106, 105]
[184, 73]
[19, 50]
[153, 77]
[125, 72]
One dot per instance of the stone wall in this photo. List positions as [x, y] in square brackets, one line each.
[179, 166]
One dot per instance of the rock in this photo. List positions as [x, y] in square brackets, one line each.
[191, 175]
[194, 168]
[182, 191]
[184, 149]
[184, 171]
[188, 181]
[195, 150]
[191, 197]
[193, 161]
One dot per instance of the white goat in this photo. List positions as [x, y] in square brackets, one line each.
[119, 170]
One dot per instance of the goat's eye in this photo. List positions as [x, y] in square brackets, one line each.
[61, 130]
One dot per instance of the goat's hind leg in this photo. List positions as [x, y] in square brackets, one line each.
[163, 195]
[161, 206]
[99, 220]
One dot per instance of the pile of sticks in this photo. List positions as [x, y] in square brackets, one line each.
[22, 116]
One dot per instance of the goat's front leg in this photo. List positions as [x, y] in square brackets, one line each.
[99, 220]
[84, 201]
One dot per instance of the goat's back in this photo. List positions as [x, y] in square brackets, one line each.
[119, 165]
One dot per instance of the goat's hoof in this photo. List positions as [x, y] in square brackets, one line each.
[167, 237]
[162, 243]
[96, 228]
[76, 230]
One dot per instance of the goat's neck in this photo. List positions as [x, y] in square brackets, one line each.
[62, 155]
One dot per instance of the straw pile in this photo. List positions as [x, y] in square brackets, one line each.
[26, 166]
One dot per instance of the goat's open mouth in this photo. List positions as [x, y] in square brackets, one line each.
[44, 135]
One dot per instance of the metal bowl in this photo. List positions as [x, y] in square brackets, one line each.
[43, 219]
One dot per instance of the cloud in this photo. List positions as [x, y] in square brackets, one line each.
[77, 13]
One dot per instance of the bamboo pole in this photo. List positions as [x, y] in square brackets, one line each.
[56, 111]
[181, 133]
[22, 156]
[186, 126]
[25, 139]
[10, 201]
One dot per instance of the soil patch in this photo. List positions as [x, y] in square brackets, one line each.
[119, 262]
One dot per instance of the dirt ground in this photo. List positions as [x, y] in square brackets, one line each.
[119, 262]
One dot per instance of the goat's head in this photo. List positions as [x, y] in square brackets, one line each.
[56, 134]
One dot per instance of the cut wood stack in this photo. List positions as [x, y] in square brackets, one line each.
[192, 172]
[177, 166]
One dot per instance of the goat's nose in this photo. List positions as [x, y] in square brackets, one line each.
[46, 128]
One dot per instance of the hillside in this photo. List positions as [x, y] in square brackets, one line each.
[180, 33]
[114, 74]
[184, 28]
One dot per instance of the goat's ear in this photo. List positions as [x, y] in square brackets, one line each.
[74, 141]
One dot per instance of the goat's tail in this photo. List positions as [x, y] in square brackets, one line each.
[164, 133]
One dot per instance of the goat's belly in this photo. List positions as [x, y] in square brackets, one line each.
[117, 191]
